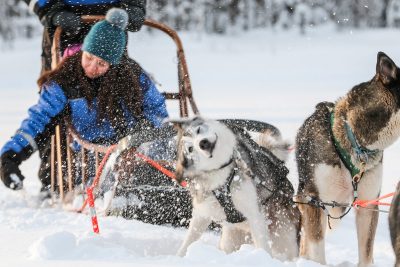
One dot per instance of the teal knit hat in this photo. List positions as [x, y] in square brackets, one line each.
[107, 39]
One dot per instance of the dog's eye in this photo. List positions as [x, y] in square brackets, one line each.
[190, 149]
[198, 130]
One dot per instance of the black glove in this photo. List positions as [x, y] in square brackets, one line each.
[136, 19]
[136, 10]
[68, 21]
[9, 171]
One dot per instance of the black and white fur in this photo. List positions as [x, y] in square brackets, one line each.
[209, 153]
[372, 110]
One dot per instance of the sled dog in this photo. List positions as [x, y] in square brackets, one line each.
[339, 143]
[239, 184]
[394, 224]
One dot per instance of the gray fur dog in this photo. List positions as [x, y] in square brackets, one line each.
[339, 143]
[239, 184]
[394, 224]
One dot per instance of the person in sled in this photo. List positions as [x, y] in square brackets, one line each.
[99, 91]
[67, 14]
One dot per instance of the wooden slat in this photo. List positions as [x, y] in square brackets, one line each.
[59, 163]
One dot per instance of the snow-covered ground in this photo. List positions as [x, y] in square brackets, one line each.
[262, 75]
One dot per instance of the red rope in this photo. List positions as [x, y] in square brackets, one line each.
[160, 168]
[98, 174]
[146, 159]
[365, 203]
[92, 209]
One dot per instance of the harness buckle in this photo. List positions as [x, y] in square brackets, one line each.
[357, 178]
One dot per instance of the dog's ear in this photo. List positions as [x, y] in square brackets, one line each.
[386, 69]
[180, 123]
[183, 123]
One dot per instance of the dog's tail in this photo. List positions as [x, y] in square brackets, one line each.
[272, 140]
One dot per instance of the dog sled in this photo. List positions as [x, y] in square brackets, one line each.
[135, 177]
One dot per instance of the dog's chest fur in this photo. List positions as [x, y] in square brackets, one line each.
[203, 199]
[389, 134]
[333, 182]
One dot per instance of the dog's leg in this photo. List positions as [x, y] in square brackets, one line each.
[246, 202]
[367, 220]
[197, 226]
[284, 229]
[312, 243]
[232, 237]
[258, 229]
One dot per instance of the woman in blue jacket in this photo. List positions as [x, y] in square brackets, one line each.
[67, 13]
[101, 93]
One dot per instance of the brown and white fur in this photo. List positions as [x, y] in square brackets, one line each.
[372, 109]
[207, 147]
[394, 224]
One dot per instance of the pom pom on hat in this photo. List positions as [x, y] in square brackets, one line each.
[118, 18]
[107, 38]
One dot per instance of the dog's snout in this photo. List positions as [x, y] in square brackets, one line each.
[205, 144]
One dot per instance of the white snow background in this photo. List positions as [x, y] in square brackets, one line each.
[263, 75]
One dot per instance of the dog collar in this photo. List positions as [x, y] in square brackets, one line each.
[226, 164]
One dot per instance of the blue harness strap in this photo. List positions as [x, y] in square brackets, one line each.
[363, 153]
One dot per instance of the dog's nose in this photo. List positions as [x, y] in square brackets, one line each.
[205, 144]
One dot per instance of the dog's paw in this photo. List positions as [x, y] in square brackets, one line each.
[181, 253]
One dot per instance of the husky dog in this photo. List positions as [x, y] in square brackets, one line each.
[235, 182]
[394, 224]
[341, 142]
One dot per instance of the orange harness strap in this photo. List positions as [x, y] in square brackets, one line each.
[159, 167]
[365, 203]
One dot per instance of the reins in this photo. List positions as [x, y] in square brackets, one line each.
[313, 201]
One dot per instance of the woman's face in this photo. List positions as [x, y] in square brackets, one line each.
[94, 66]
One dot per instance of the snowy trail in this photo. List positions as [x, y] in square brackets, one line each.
[262, 75]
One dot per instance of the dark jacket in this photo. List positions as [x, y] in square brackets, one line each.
[45, 9]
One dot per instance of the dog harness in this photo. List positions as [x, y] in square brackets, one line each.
[224, 197]
[356, 174]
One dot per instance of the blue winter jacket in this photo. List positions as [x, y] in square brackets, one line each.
[53, 102]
